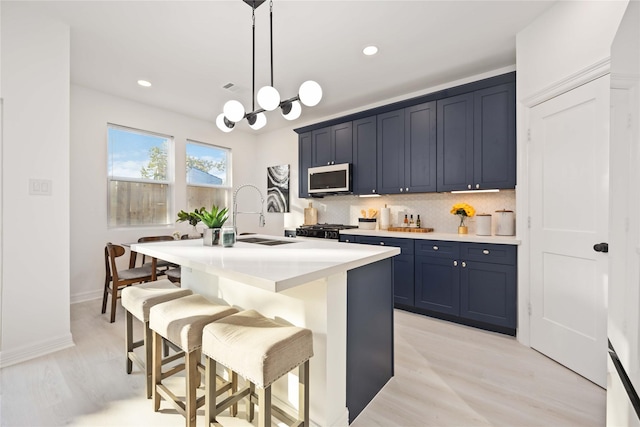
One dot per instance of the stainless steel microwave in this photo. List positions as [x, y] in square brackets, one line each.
[330, 179]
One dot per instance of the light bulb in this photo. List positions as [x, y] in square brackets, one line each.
[222, 125]
[261, 120]
[310, 93]
[233, 110]
[294, 111]
[268, 98]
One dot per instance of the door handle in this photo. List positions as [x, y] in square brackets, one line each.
[601, 247]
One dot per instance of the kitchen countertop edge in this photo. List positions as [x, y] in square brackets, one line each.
[454, 237]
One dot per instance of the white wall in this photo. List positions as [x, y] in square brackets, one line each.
[90, 113]
[566, 46]
[35, 229]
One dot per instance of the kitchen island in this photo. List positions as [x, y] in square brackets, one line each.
[342, 292]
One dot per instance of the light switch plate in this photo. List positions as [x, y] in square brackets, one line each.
[40, 187]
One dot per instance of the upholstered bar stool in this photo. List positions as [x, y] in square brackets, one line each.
[260, 350]
[137, 302]
[181, 322]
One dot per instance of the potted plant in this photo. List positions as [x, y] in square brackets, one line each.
[214, 220]
[193, 219]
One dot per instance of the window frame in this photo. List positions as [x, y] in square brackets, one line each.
[229, 172]
[169, 181]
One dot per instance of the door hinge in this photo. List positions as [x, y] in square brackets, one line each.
[529, 135]
[528, 222]
[529, 307]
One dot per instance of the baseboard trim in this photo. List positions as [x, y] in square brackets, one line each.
[42, 348]
[86, 296]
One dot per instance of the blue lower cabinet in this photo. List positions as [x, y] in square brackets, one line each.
[470, 283]
[488, 293]
[437, 284]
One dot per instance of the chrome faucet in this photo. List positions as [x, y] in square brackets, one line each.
[261, 222]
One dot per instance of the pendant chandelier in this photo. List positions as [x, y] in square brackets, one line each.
[309, 94]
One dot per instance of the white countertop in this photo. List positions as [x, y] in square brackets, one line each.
[471, 238]
[273, 268]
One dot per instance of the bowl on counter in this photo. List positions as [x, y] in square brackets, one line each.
[367, 223]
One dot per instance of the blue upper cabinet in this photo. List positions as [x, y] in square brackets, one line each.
[420, 148]
[407, 150]
[304, 163]
[455, 143]
[391, 152]
[332, 145]
[364, 168]
[477, 140]
[494, 137]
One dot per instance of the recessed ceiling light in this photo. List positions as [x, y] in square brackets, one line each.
[370, 50]
[144, 83]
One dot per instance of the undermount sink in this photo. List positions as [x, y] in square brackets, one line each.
[263, 241]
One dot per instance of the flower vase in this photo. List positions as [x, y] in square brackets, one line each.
[194, 233]
[463, 229]
[211, 237]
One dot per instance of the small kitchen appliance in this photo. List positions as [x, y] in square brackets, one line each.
[322, 231]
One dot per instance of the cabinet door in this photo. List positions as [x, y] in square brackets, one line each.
[341, 143]
[391, 152]
[403, 280]
[304, 163]
[455, 143]
[348, 238]
[494, 140]
[437, 284]
[420, 148]
[488, 293]
[364, 156]
[321, 147]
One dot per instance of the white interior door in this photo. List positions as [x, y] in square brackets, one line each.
[569, 165]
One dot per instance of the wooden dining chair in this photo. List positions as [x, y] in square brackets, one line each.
[161, 264]
[117, 279]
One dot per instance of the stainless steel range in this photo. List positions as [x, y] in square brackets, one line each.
[322, 231]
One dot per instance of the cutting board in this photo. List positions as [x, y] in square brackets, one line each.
[411, 229]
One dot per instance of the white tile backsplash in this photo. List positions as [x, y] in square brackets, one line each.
[433, 208]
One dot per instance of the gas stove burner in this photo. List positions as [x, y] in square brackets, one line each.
[323, 231]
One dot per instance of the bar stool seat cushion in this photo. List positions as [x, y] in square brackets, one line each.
[139, 299]
[181, 320]
[257, 348]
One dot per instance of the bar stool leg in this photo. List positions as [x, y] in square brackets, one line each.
[303, 393]
[192, 376]
[128, 331]
[156, 373]
[210, 384]
[148, 357]
[250, 406]
[233, 410]
[264, 397]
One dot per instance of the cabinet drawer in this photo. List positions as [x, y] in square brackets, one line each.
[348, 238]
[495, 254]
[438, 248]
[405, 245]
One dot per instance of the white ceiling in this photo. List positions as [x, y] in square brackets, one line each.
[190, 49]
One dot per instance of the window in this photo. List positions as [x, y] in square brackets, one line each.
[140, 166]
[208, 175]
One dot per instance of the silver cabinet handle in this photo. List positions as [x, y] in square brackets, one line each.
[382, 243]
[486, 252]
[373, 191]
[464, 264]
[435, 248]
[455, 263]
[347, 241]
[477, 186]
[401, 190]
[469, 186]
[406, 189]
[328, 163]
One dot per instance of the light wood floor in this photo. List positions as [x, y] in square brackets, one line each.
[445, 375]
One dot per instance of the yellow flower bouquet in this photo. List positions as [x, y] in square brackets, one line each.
[463, 210]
